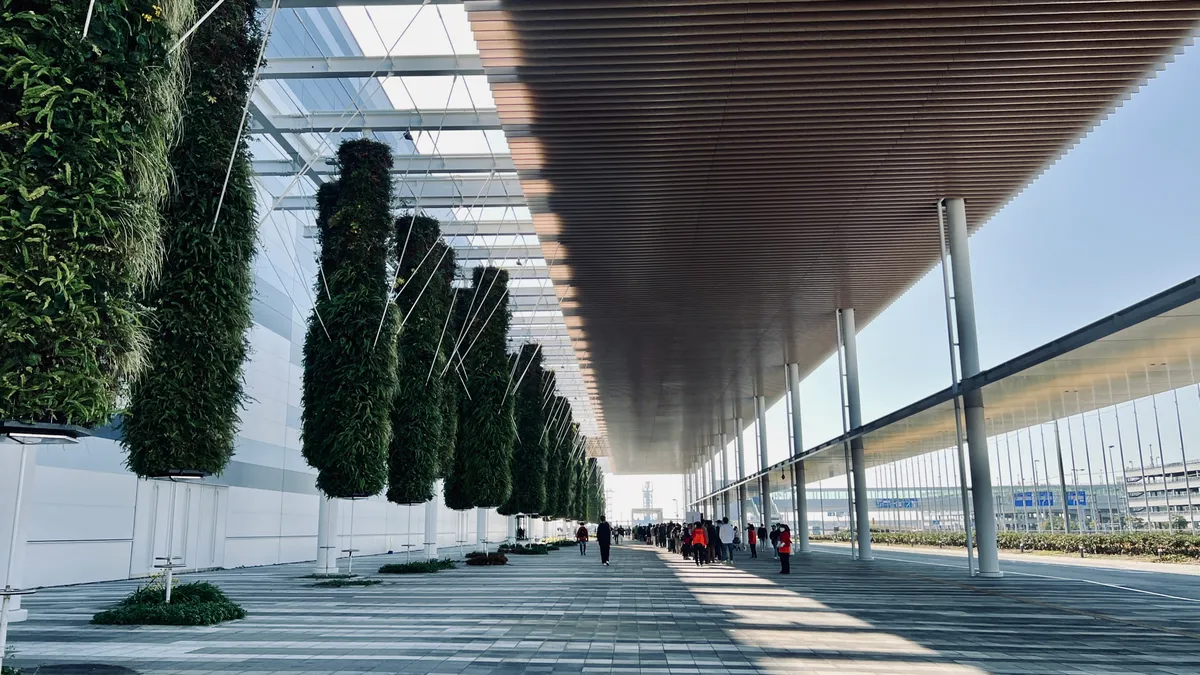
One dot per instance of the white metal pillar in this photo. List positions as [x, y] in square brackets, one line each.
[740, 456]
[793, 371]
[18, 513]
[760, 412]
[725, 481]
[481, 519]
[858, 460]
[431, 522]
[968, 354]
[327, 535]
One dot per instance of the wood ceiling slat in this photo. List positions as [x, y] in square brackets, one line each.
[718, 176]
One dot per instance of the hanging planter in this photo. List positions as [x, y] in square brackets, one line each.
[85, 130]
[486, 431]
[529, 453]
[566, 475]
[558, 439]
[545, 391]
[350, 347]
[417, 409]
[184, 408]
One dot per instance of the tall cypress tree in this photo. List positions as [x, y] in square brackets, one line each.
[350, 347]
[183, 411]
[417, 409]
[529, 454]
[486, 431]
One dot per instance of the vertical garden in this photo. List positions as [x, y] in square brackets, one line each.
[86, 127]
[528, 467]
[350, 346]
[183, 410]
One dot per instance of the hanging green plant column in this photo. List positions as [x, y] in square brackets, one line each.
[529, 452]
[566, 475]
[86, 125]
[349, 373]
[486, 431]
[184, 408]
[450, 384]
[546, 393]
[417, 409]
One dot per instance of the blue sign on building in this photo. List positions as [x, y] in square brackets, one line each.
[1046, 498]
[905, 503]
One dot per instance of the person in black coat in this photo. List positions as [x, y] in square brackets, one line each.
[604, 539]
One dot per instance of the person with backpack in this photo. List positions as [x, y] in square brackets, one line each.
[581, 536]
[752, 539]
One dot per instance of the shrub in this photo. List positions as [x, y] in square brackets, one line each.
[489, 559]
[342, 583]
[528, 467]
[417, 567]
[474, 554]
[194, 604]
[486, 431]
[184, 409]
[85, 130]
[1133, 543]
[530, 549]
[417, 407]
[349, 374]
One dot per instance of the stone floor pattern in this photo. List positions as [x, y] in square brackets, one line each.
[649, 612]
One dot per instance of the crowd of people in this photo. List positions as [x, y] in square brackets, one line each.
[706, 542]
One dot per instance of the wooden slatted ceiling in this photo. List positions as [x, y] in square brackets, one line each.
[719, 176]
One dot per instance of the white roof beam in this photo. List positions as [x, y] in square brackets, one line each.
[368, 66]
[420, 164]
[322, 122]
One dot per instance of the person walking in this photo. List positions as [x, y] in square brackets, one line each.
[752, 539]
[603, 535]
[686, 542]
[726, 534]
[785, 550]
[699, 544]
[775, 541]
[581, 536]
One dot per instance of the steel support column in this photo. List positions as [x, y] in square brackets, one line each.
[740, 456]
[858, 459]
[968, 355]
[760, 413]
[723, 453]
[327, 535]
[793, 372]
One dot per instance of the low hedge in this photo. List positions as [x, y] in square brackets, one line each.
[342, 583]
[195, 604]
[1167, 544]
[531, 549]
[487, 559]
[418, 567]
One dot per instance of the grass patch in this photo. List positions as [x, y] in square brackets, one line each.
[342, 583]
[195, 604]
[418, 567]
[489, 559]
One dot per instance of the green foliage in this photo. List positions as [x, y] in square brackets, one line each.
[418, 567]
[195, 604]
[529, 453]
[489, 559]
[349, 375]
[1132, 543]
[85, 130]
[560, 439]
[417, 408]
[184, 408]
[343, 583]
[486, 430]
[525, 549]
[594, 502]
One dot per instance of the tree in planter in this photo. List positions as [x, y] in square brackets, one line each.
[486, 431]
[529, 454]
[85, 131]
[349, 374]
[417, 409]
[183, 410]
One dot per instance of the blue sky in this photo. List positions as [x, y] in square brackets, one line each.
[1113, 221]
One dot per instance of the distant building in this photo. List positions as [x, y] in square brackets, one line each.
[1160, 494]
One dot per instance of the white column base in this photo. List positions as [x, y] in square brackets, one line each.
[327, 536]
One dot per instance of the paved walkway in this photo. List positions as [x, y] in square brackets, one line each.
[648, 612]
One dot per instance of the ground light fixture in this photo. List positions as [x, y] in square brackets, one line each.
[25, 434]
[168, 563]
